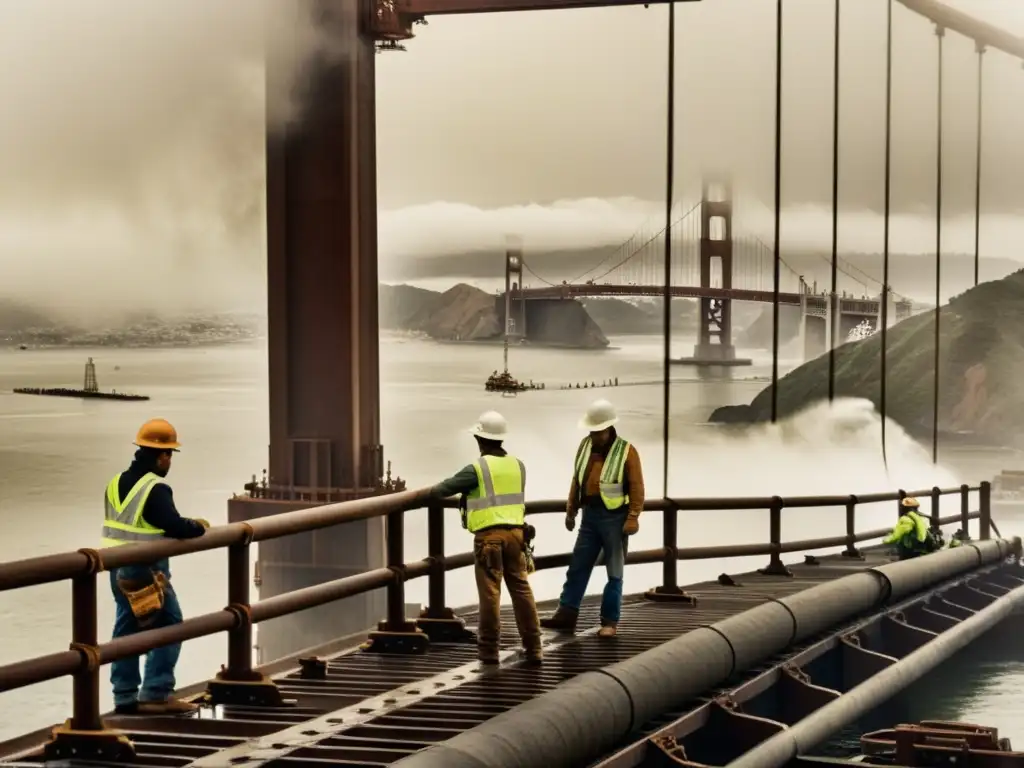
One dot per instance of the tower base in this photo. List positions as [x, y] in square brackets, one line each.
[305, 560]
[713, 355]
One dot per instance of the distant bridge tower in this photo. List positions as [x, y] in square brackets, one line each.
[714, 339]
[515, 304]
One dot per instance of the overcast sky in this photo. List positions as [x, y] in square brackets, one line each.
[132, 133]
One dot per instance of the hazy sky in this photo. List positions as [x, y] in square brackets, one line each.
[131, 142]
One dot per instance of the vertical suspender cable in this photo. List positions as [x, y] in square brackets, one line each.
[670, 130]
[977, 168]
[940, 33]
[885, 237]
[833, 313]
[776, 275]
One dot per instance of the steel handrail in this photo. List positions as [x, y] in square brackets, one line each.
[86, 654]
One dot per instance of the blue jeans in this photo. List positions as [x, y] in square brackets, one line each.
[159, 682]
[600, 530]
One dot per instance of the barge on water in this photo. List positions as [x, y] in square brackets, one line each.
[89, 391]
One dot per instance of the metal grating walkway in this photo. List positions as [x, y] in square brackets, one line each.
[372, 710]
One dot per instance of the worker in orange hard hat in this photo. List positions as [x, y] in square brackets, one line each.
[139, 507]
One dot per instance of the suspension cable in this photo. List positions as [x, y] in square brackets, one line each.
[670, 128]
[940, 33]
[977, 167]
[885, 237]
[834, 315]
[776, 276]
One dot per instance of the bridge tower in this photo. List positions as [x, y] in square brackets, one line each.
[714, 340]
[515, 304]
[322, 336]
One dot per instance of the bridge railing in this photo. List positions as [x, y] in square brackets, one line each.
[239, 682]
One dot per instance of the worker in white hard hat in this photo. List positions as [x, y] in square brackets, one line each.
[608, 484]
[493, 490]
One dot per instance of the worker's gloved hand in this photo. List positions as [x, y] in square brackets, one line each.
[202, 522]
[632, 525]
[570, 520]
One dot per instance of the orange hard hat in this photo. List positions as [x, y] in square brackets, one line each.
[159, 434]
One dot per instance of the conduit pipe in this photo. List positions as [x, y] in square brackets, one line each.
[819, 726]
[585, 717]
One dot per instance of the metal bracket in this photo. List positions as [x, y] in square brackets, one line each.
[406, 638]
[799, 696]
[775, 567]
[313, 668]
[860, 663]
[670, 595]
[106, 745]
[670, 752]
[446, 628]
[259, 691]
[900, 637]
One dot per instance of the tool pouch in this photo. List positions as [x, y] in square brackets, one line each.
[529, 534]
[146, 600]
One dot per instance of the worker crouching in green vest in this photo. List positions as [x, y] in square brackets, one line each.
[608, 484]
[494, 510]
[139, 507]
[911, 535]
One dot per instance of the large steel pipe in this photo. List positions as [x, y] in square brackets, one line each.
[586, 717]
[820, 726]
[910, 576]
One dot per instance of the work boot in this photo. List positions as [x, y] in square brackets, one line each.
[608, 629]
[563, 620]
[132, 708]
[172, 706]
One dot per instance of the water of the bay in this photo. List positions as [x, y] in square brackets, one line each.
[56, 456]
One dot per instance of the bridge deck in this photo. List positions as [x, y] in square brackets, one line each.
[373, 710]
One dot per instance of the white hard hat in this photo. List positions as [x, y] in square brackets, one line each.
[600, 415]
[490, 426]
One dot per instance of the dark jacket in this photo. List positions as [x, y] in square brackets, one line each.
[159, 511]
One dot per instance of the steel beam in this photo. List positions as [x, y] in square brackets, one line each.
[816, 729]
[589, 715]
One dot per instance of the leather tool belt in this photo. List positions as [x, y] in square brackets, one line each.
[146, 598]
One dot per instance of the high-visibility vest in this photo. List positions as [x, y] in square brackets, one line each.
[613, 492]
[500, 494]
[122, 521]
[918, 536]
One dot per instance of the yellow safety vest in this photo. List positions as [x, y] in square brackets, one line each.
[915, 538]
[123, 522]
[500, 494]
[613, 493]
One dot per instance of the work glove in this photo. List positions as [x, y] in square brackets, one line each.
[632, 525]
[570, 520]
[202, 522]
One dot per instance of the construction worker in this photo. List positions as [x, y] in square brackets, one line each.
[493, 490]
[608, 484]
[139, 507]
[911, 535]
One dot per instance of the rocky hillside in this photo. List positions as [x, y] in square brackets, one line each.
[981, 358]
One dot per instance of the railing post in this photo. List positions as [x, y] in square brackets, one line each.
[437, 621]
[84, 736]
[396, 634]
[238, 683]
[775, 565]
[851, 530]
[985, 508]
[936, 501]
[965, 511]
[669, 589]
